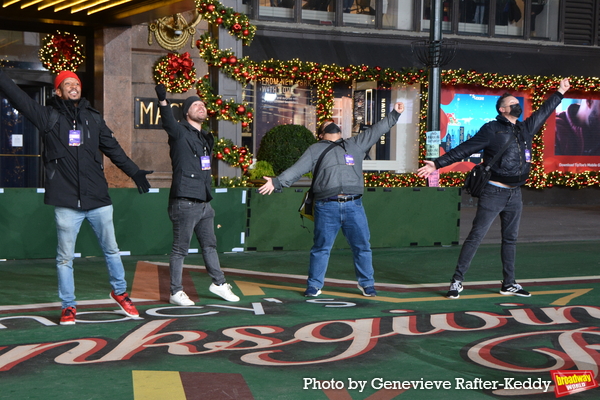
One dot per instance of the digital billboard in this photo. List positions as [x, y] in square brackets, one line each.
[463, 113]
[572, 138]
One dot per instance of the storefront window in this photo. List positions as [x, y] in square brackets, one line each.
[277, 9]
[446, 15]
[321, 11]
[398, 14]
[397, 150]
[544, 19]
[282, 101]
[509, 18]
[474, 17]
[360, 12]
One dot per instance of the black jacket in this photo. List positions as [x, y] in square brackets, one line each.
[74, 174]
[187, 145]
[511, 168]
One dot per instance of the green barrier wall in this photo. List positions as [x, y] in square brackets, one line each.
[142, 224]
[244, 220]
[398, 217]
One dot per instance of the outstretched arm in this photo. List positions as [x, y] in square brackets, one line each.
[564, 85]
[268, 187]
[20, 100]
[399, 107]
[427, 169]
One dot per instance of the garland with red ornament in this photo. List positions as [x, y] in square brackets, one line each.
[237, 24]
[175, 71]
[233, 155]
[227, 110]
[61, 52]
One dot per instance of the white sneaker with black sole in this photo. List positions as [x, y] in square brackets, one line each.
[223, 291]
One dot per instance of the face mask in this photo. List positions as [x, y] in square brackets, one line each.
[515, 110]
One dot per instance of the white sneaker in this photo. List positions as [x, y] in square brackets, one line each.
[224, 291]
[180, 299]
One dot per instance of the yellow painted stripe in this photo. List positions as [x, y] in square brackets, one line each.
[255, 289]
[157, 385]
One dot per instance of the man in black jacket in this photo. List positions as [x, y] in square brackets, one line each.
[189, 200]
[502, 195]
[74, 137]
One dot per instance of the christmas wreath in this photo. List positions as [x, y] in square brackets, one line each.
[233, 155]
[176, 72]
[61, 52]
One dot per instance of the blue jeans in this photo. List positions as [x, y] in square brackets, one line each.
[494, 201]
[330, 216]
[189, 217]
[68, 223]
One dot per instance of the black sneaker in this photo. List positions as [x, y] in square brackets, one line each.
[514, 290]
[455, 288]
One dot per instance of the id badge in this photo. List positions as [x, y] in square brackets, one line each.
[349, 159]
[205, 163]
[74, 137]
[527, 155]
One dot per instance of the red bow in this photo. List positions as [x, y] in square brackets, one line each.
[64, 45]
[182, 64]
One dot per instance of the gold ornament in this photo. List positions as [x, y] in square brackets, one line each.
[172, 32]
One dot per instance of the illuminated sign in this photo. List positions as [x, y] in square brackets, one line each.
[147, 112]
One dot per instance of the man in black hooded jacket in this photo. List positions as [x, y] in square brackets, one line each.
[190, 149]
[75, 137]
[502, 195]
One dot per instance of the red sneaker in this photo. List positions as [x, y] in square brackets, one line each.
[126, 304]
[68, 316]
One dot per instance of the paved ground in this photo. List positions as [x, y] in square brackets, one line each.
[276, 344]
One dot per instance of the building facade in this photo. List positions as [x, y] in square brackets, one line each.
[558, 38]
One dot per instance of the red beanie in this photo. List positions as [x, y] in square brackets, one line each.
[64, 75]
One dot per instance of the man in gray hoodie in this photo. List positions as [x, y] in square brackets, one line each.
[337, 189]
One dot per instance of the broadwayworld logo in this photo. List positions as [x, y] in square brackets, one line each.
[569, 382]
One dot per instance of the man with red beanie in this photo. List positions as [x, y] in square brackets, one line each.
[75, 137]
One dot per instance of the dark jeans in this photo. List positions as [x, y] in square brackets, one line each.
[350, 217]
[493, 201]
[191, 217]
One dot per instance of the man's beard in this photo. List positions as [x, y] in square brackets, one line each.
[196, 118]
